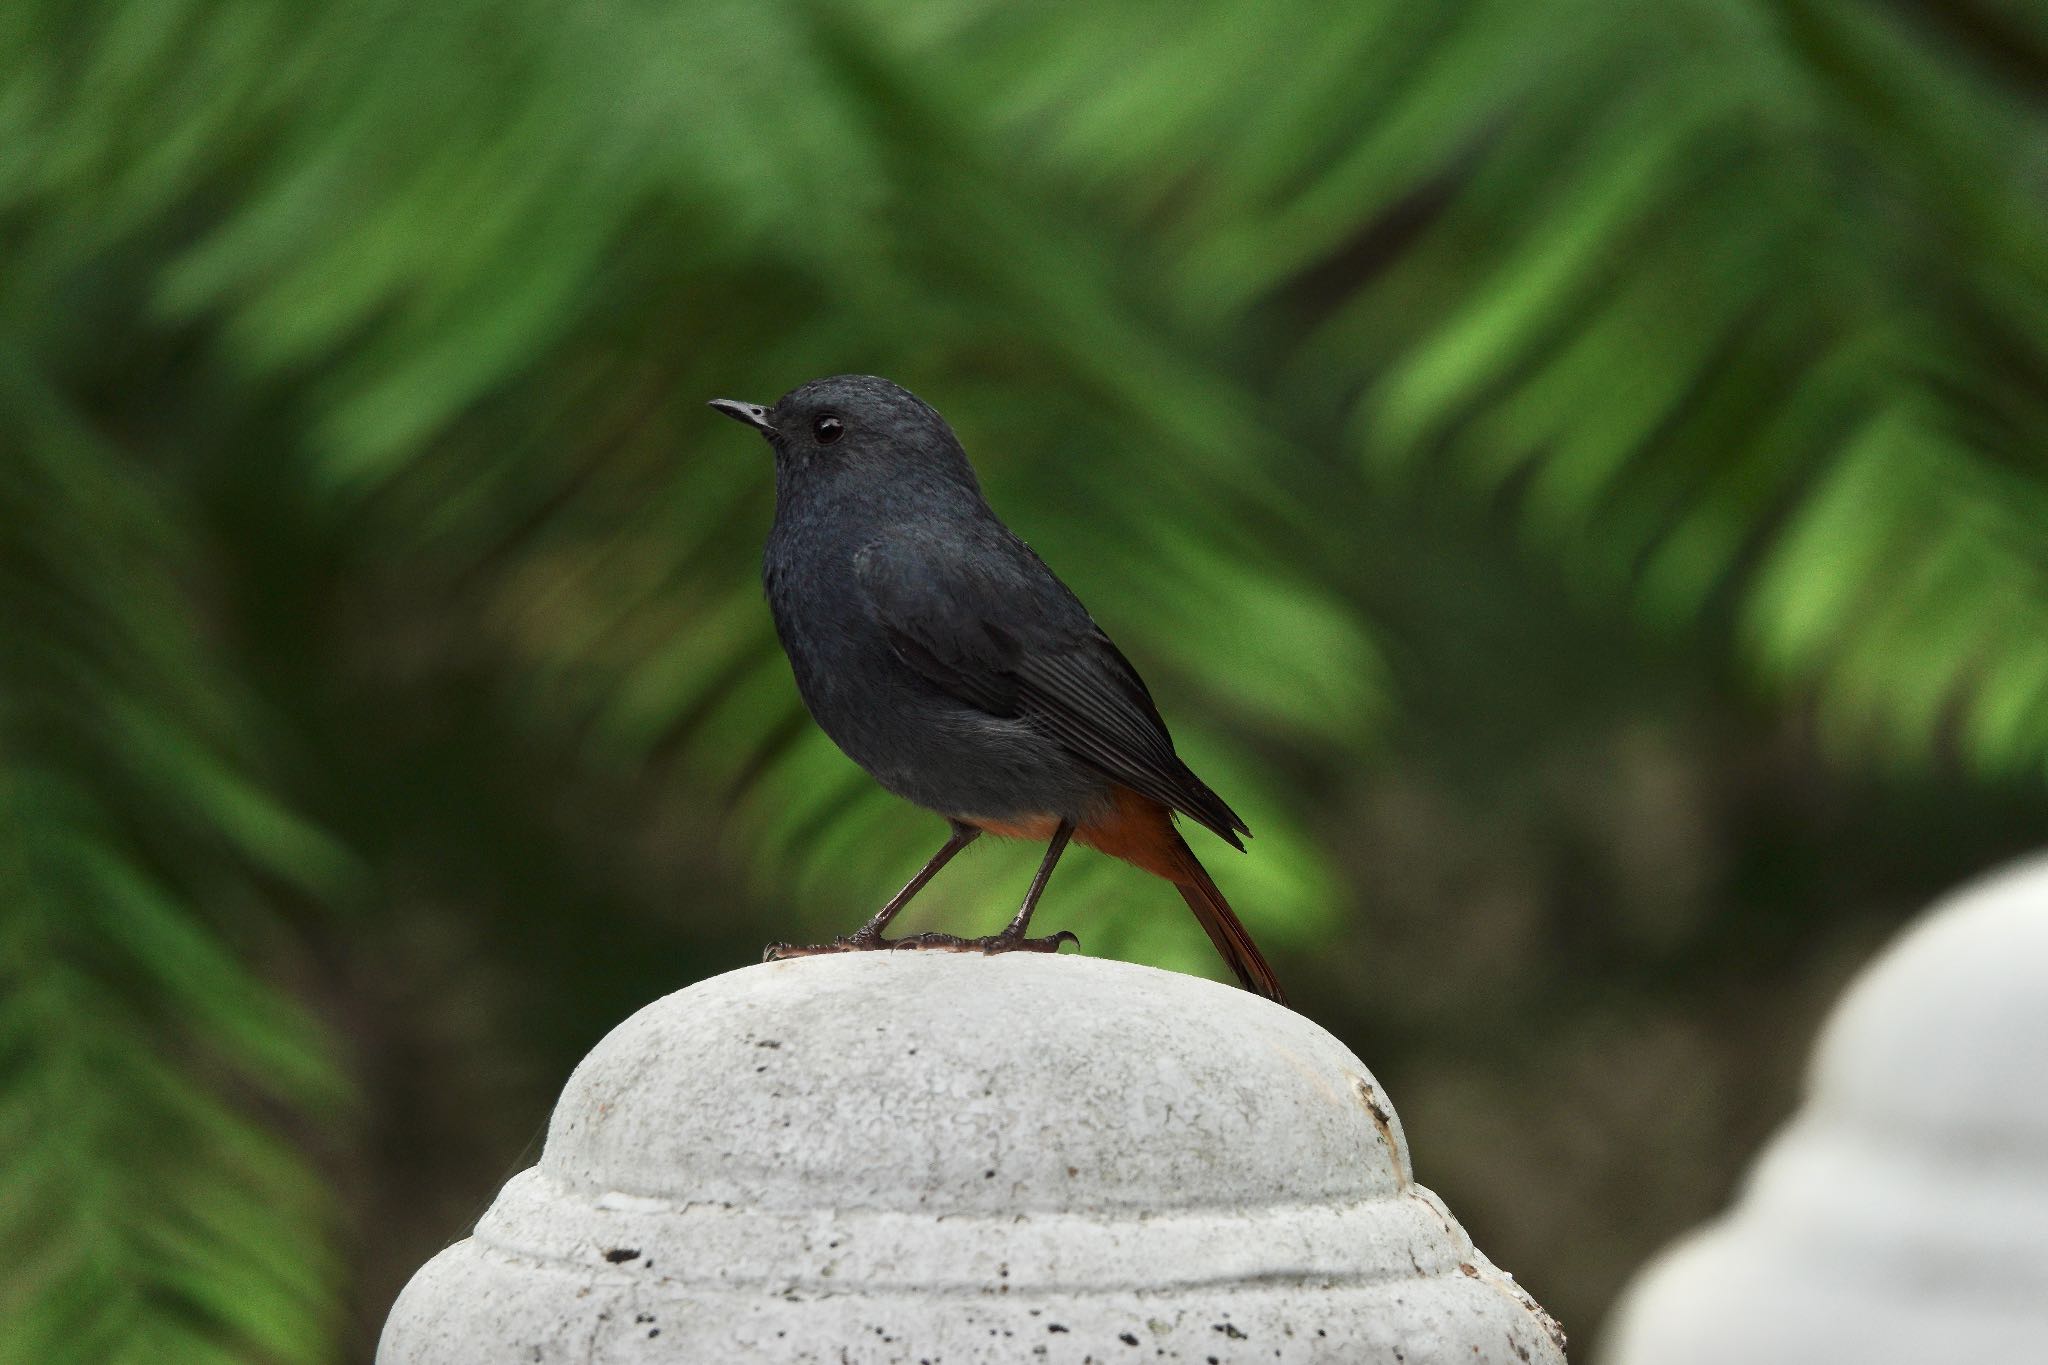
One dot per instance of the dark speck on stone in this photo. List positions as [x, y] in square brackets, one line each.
[1127, 1338]
[1054, 1327]
[621, 1255]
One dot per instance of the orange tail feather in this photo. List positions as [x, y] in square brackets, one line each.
[1227, 931]
[1141, 832]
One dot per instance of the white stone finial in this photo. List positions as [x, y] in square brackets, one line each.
[1901, 1218]
[906, 1157]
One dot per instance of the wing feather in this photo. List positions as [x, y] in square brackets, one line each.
[1002, 634]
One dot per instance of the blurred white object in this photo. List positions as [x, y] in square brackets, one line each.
[940, 1157]
[1902, 1216]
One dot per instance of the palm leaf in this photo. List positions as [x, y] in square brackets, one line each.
[152, 1212]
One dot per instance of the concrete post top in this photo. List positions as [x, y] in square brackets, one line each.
[1960, 1004]
[961, 1154]
[952, 1083]
[1902, 1215]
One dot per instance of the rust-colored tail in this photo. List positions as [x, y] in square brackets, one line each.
[1225, 929]
[1140, 831]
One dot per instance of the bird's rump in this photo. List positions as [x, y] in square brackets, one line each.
[983, 619]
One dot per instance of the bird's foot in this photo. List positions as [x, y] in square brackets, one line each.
[991, 945]
[845, 943]
[929, 943]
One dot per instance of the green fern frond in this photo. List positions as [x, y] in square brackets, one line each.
[1739, 361]
[151, 1211]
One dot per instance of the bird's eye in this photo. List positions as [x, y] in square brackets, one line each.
[828, 429]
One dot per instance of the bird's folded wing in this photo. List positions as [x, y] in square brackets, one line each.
[989, 624]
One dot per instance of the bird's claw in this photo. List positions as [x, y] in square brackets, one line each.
[845, 943]
[1003, 943]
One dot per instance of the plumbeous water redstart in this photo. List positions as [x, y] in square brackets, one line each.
[947, 660]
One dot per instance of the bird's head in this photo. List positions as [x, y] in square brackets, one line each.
[854, 427]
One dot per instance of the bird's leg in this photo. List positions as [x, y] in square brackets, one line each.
[869, 935]
[1012, 938]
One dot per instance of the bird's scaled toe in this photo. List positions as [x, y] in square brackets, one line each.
[933, 942]
[1006, 943]
[992, 944]
[929, 943]
[845, 943]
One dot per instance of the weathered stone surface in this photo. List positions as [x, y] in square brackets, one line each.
[935, 1157]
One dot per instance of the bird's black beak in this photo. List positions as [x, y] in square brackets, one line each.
[753, 414]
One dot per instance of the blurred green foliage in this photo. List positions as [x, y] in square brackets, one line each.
[1421, 393]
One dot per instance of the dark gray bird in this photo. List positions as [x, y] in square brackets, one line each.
[945, 658]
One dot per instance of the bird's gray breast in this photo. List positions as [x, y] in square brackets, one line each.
[916, 739]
